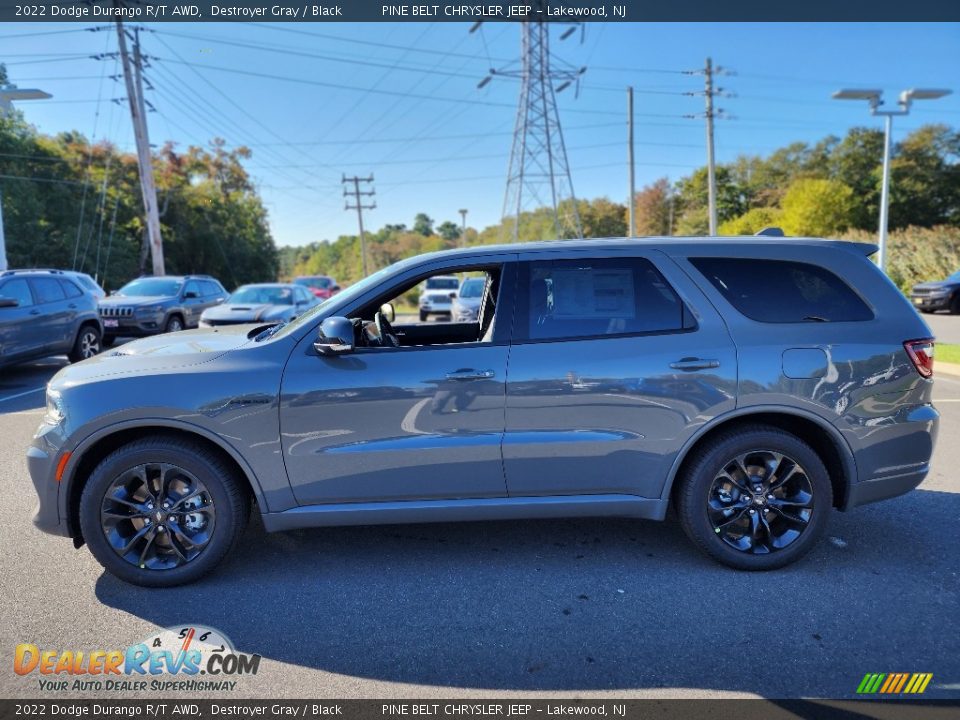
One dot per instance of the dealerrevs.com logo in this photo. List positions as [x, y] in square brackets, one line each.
[190, 658]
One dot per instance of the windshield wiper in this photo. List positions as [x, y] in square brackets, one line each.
[269, 331]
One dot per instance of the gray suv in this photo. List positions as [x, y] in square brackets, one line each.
[46, 312]
[158, 304]
[751, 385]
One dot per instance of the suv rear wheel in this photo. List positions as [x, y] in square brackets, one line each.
[87, 344]
[162, 511]
[756, 498]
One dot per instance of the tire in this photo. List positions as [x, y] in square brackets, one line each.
[424, 316]
[715, 531]
[87, 344]
[221, 522]
[108, 340]
[174, 324]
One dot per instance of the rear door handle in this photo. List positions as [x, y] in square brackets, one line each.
[34, 312]
[689, 364]
[470, 375]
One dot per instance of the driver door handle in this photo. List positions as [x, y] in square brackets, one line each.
[470, 374]
[693, 363]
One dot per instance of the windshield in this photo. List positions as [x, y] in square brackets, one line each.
[151, 287]
[442, 284]
[472, 288]
[321, 283]
[342, 297]
[254, 295]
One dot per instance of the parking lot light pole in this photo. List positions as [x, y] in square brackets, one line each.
[874, 98]
[7, 96]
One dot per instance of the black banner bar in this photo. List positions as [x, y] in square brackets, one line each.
[150, 11]
[519, 709]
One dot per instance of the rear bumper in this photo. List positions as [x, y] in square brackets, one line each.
[868, 491]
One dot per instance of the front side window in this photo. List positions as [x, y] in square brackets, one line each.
[47, 290]
[18, 290]
[779, 291]
[192, 287]
[596, 298]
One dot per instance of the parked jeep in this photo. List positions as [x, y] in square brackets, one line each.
[46, 312]
[751, 385]
[153, 305]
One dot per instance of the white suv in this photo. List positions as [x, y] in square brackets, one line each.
[437, 295]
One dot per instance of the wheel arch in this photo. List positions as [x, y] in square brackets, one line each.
[89, 453]
[823, 437]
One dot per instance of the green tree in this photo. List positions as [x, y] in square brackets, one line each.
[752, 221]
[449, 231]
[817, 207]
[653, 208]
[423, 224]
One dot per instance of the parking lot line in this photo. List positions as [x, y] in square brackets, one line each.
[20, 395]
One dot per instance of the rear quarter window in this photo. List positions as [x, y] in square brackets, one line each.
[782, 291]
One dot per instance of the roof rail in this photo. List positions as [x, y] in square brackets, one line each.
[7, 273]
[771, 231]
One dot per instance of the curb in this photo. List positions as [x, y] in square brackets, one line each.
[948, 368]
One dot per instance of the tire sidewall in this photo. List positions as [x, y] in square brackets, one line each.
[696, 519]
[77, 354]
[169, 327]
[225, 529]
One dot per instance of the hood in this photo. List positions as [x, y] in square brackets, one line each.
[132, 300]
[246, 312]
[937, 285]
[160, 352]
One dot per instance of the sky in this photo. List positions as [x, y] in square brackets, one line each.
[400, 100]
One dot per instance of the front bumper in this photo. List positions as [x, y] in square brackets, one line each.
[43, 455]
[929, 302]
[132, 326]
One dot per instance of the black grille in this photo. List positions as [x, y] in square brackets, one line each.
[112, 311]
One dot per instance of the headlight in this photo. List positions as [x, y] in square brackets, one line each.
[54, 414]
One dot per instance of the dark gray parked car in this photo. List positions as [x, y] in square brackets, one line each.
[944, 294]
[152, 305]
[752, 385]
[46, 312]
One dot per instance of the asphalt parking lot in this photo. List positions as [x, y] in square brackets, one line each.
[572, 608]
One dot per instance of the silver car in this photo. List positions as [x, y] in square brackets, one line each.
[466, 306]
[752, 386]
[260, 303]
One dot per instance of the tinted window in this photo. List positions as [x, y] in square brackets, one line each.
[777, 291]
[192, 287]
[47, 290]
[87, 282]
[18, 290]
[590, 298]
[442, 283]
[211, 287]
[70, 290]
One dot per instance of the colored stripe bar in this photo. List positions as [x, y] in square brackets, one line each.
[875, 685]
[926, 682]
[862, 687]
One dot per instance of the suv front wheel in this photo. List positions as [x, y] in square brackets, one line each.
[87, 344]
[161, 511]
[755, 498]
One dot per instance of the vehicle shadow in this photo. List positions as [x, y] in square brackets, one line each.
[586, 604]
[21, 386]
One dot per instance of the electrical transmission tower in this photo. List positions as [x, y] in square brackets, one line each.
[539, 174]
[358, 205]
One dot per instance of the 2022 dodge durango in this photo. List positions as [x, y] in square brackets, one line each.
[752, 386]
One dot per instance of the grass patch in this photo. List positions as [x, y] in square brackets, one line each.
[946, 352]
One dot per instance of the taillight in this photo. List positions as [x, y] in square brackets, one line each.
[921, 353]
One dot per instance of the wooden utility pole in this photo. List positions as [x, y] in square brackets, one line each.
[134, 83]
[359, 207]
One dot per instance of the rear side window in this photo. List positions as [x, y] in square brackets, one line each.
[70, 289]
[778, 291]
[47, 290]
[211, 287]
[596, 298]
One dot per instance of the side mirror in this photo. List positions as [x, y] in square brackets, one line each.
[335, 337]
[388, 312]
[6, 302]
[453, 296]
[335, 289]
[190, 295]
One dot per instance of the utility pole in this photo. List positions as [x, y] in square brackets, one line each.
[359, 207]
[463, 227]
[630, 163]
[711, 165]
[148, 188]
[874, 97]
[8, 93]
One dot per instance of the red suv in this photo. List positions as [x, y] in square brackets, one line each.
[323, 286]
